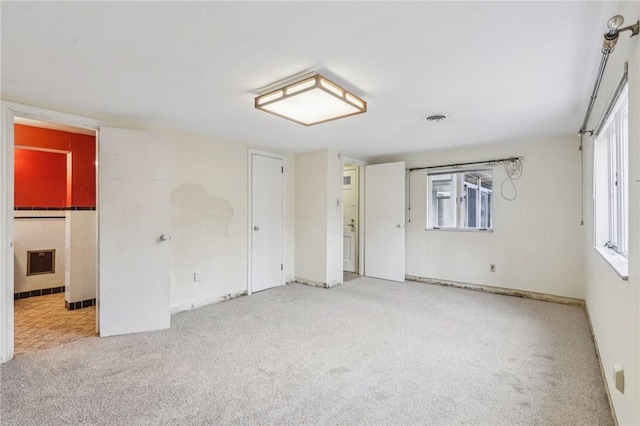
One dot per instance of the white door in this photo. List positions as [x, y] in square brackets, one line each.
[350, 219]
[134, 247]
[384, 221]
[266, 222]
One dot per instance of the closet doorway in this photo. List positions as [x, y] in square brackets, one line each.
[352, 254]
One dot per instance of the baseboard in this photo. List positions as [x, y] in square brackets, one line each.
[333, 284]
[310, 282]
[36, 293]
[72, 306]
[602, 370]
[499, 290]
[205, 302]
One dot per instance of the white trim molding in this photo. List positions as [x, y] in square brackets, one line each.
[6, 236]
[352, 160]
[205, 302]
[310, 282]
[499, 290]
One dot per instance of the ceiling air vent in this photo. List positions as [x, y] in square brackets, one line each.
[435, 118]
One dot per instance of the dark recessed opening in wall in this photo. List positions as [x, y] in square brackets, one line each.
[41, 262]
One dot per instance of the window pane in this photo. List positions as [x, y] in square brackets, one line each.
[472, 207]
[623, 172]
[442, 201]
[613, 186]
[484, 209]
[611, 180]
[461, 199]
[471, 178]
[490, 210]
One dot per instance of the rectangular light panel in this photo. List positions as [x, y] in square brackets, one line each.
[311, 101]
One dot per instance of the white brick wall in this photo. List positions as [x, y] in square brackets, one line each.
[38, 234]
[73, 236]
[80, 255]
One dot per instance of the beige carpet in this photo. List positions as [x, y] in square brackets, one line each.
[43, 322]
[366, 352]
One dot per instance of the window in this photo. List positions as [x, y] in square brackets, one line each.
[460, 200]
[611, 179]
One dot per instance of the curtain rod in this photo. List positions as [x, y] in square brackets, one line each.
[594, 93]
[608, 45]
[471, 163]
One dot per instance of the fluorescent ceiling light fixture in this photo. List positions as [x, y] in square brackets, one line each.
[310, 101]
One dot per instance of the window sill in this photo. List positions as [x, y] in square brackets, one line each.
[460, 230]
[619, 263]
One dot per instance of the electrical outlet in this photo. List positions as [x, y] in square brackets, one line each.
[492, 267]
[198, 277]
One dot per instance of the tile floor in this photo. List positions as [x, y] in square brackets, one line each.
[43, 322]
[349, 276]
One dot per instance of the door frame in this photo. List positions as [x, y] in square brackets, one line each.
[355, 186]
[8, 111]
[345, 159]
[251, 153]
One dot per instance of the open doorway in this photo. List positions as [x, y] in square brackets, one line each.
[54, 234]
[350, 221]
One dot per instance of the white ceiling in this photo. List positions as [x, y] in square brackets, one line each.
[501, 71]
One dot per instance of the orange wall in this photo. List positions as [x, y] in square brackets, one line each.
[40, 179]
[35, 185]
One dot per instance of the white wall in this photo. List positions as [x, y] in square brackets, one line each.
[311, 198]
[289, 218]
[614, 304]
[38, 234]
[334, 218]
[209, 220]
[319, 218]
[209, 199]
[73, 236]
[537, 240]
[80, 255]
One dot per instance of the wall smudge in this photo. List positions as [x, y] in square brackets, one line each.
[204, 214]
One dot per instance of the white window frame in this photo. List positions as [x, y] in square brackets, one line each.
[460, 200]
[611, 186]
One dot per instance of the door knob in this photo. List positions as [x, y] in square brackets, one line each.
[164, 237]
[256, 228]
[399, 226]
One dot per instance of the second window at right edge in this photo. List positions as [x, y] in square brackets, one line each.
[460, 200]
